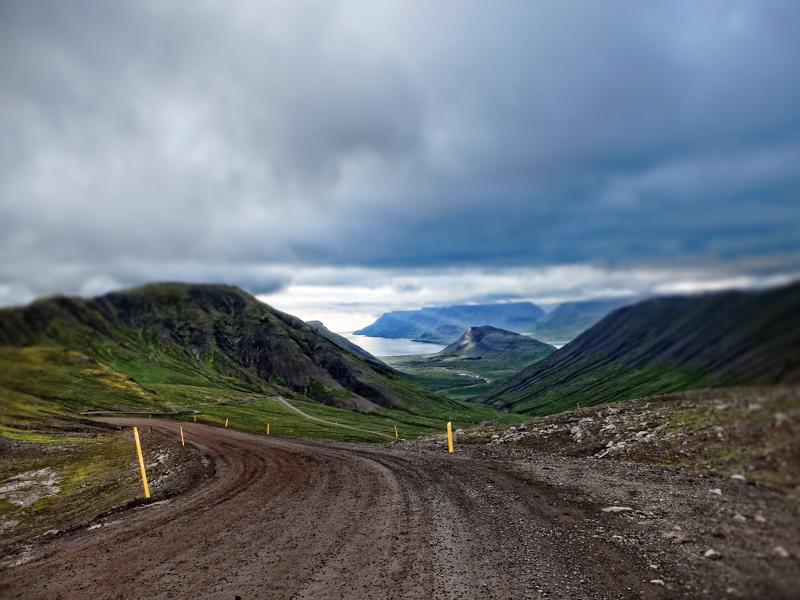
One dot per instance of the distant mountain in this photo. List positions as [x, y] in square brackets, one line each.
[477, 362]
[218, 336]
[446, 323]
[664, 345]
[491, 342]
[343, 342]
[568, 320]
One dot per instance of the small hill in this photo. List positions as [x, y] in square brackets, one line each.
[343, 342]
[479, 361]
[665, 345]
[446, 323]
[491, 342]
[570, 319]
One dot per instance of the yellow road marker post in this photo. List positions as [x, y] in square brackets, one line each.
[141, 462]
[226, 423]
[449, 437]
[195, 418]
[396, 434]
[267, 428]
[182, 442]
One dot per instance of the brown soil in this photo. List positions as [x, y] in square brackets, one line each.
[300, 519]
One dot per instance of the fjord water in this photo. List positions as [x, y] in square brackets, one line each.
[391, 346]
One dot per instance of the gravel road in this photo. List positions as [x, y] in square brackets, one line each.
[312, 520]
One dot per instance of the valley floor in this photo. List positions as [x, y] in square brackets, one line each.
[282, 518]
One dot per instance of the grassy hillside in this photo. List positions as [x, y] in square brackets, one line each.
[215, 350]
[172, 333]
[666, 345]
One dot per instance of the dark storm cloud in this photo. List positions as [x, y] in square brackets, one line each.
[237, 141]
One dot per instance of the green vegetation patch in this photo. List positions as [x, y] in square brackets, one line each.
[63, 485]
[584, 384]
[458, 377]
[67, 378]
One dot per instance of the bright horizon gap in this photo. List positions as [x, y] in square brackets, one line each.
[347, 307]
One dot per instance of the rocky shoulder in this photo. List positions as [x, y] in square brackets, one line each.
[705, 485]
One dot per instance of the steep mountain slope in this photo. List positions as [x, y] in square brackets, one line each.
[480, 360]
[343, 342]
[184, 334]
[568, 320]
[664, 345]
[446, 323]
[491, 342]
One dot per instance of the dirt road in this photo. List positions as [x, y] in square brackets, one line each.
[301, 519]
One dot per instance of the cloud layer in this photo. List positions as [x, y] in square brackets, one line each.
[266, 143]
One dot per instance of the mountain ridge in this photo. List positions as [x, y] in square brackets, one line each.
[444, 324]
[343, 342]
[664, 345]
[569, 319]
[208, 331]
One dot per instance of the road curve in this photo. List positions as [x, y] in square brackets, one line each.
[291, 519]
[292, 407]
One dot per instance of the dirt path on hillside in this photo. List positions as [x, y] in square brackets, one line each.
[291, 407]
[311, 520]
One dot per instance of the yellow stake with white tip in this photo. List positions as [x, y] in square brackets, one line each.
[226, 422]
[195, 418]
[141, 462]
[396, 434]
[267, 428]
[449, 437]
[182, 442]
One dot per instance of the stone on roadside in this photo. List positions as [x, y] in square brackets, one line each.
[712, 554]
[781, 419]
[617, 509]
[780, 551]
[681, 537]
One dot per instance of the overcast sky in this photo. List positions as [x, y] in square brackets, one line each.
[343, 158]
